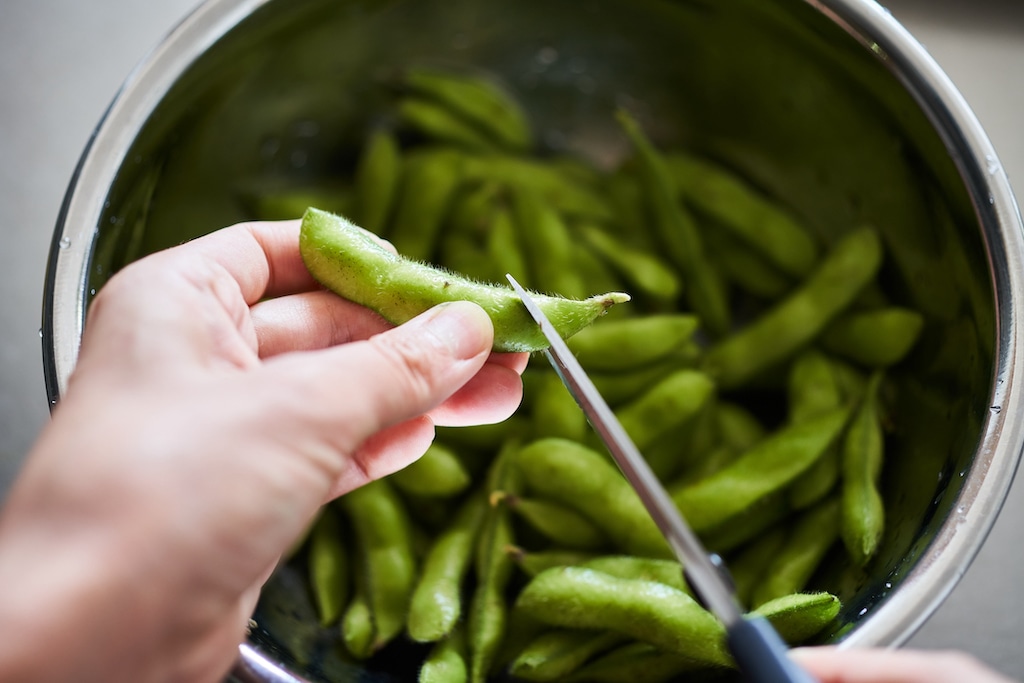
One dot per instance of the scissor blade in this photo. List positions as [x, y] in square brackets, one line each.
[703, 574]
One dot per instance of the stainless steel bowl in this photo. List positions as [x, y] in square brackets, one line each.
[828, 104]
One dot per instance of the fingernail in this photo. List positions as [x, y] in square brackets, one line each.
[461, 328]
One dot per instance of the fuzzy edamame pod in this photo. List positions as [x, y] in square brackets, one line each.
[768, 466]
[328, 567]
[744, 267]
[668, 572]
[800, 616]
[734, 205]
[863, 513]
[668, 404]
[350, 262]
[574, 597]
[632, 342]
[386, 554]
[547, 244]
[488, 611]
[533, 563]
[678, 233]
[800, 317]
[562, 525]
[437, 473]
[555, 412]
[876, 339]
[479, 101]
[795, 562]
[439, 124]
[377, 178]
[565, 471]
[641, 269]
[446, 661]
[635, 663]
[619, 388]
[429, 183]
[436, 603]
[557, 653]
[357, 628]
[813, 390]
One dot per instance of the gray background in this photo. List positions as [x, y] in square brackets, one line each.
[61, 61]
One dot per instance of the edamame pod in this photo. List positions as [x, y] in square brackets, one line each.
[768, 466]
[635, 663]
[446, 662]
[438, 473]
[744, 267]
[876, 339]
[328, 567]
[734, 205]
[481, 102]
[555, 411]
[474, 209]
[668, 572]
[574, 597]
[350, 262]
[813, 390]
[798, 319]
[618, 388]
[563, 526]
[357, 629]
[533, 563]
[620, 345]
[810, 539]
[377, 179]
[748, 567]
[556, 654]
[502, 248]
[548, 246]
[799, 617]
[863, 513]
[436, 603]
[388, 562]
[440, 124]
[429, 183]
[678, 233]
[668, 404]
[562, 470]
[642, 270]
[281, 204]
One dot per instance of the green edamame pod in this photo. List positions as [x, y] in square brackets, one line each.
[461, 254]
[565, 471]
[797, 320]
[556, 654]
[641, 269]
[597, 276]
[863, 513]
[429, 183]
[744, 267]
[481, 102]
[742, 528]
[533, 563]
[738, 428]
[795, 562]
[733, 204]
[436, 603]
[347, 260]
[678, 233]
[446, 662]
[439, 124]
[474, 210]
[626, 196]
[567, 196]
[547, 244]
[813, 390]
[666, 405]
[635, 663]
[377, 178]
[574, 597]
[279, 204]
[384, 539]
[564, 526]
[437, 473]
[555, 411]
[488, 613]
[748, 567]
[634, 342]
[357, 629]
[502, 247]
[770, 465]
[876, 339]
[328, 567]
[799, 617]
[618, 388]
[668, 572]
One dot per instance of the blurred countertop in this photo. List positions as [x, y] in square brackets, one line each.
[61, 61]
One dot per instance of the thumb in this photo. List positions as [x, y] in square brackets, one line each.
[353, 391]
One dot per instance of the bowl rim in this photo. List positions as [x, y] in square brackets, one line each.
[1001, 442]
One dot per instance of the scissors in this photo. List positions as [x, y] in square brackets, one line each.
[758, 650]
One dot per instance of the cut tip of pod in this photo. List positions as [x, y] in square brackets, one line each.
[611, 298]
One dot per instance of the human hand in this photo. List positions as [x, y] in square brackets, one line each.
[219, 399]
[832, 665]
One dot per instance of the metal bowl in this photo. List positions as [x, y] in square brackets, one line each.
[830, 105]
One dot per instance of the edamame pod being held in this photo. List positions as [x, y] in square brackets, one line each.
[353, 264]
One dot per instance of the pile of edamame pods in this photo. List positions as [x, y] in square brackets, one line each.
[749, 368]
